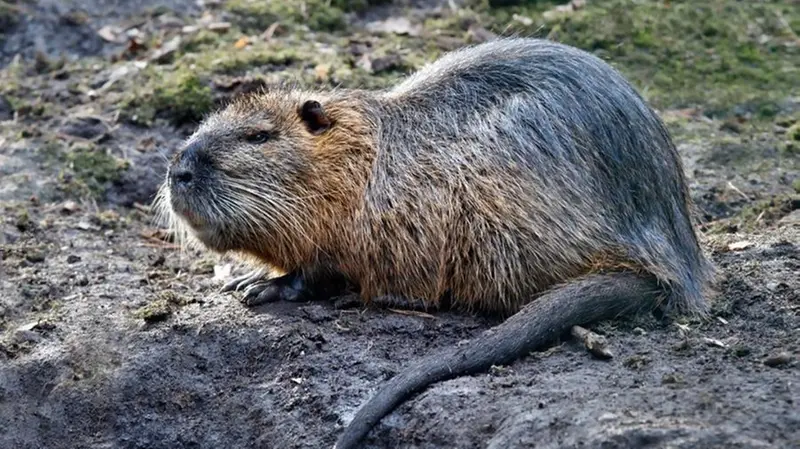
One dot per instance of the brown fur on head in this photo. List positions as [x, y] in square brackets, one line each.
[273, 175]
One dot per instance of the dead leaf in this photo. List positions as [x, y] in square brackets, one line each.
[395, 25]
[527, 21]
[267, 35]
[563, 10]
[134, 46]
[714, 342]
[480, 34]
[109, 33]
[738, 246]
[241, 43]
[412, 313]
[222, 272]
[322, 72]
[220, 27]
[684, 329]
[167, 51]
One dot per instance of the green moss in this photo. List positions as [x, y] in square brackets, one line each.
[791, 145]
[766, 211]
[741, 350]
[796, 185]
[201, 40]
[94, 167]
[254, 16]
[636, 362]
[23, 221]
[9, 16]
[186, 98]
[107, 219]
[321, 15]
[155, 311]
[179, 97]
[790, 148]
[729, 56]
[161, 307]
[240, 61]
[793, 133]
[35, 109]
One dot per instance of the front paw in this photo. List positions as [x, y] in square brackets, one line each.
[259, 288]
[242, 282]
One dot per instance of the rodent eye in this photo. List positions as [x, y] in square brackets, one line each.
[257, 137]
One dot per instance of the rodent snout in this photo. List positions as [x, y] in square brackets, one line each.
[185, 169]
[181, 177]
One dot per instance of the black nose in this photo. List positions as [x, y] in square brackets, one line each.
[185, 169]
[182, 177]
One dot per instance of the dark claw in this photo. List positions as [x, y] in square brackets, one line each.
[293, 287]
[262, 293]
[260, 289]
[247, 280]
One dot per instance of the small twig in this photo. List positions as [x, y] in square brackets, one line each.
[161, 244]
[143, 207]
[594, 343]
[736, 189]
[412, 313]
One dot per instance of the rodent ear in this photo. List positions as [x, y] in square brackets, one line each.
[315, 117]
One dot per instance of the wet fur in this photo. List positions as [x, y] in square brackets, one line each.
[493, 176]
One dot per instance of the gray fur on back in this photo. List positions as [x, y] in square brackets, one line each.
[539, 157]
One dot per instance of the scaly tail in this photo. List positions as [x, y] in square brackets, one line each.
[585, 300]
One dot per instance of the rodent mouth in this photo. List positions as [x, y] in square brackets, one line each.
[202, 225]
[191, 214]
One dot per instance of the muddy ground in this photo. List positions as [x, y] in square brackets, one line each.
[113, 337]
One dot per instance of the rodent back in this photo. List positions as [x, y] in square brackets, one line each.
[551, 156]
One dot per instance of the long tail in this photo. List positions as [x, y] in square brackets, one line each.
[588, 299]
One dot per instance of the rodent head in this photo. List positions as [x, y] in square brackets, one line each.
[252, 178]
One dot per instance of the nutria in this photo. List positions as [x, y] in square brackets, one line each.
[520, 177]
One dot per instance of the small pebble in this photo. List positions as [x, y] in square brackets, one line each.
[607, 417]
[69, 207]
[72, 258]
[316, 313]
[26, 336]
[82, 281]
[35, 257]
[779, 359]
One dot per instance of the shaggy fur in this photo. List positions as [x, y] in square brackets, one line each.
[491, 177]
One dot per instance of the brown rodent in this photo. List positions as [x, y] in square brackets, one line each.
[519, 177]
